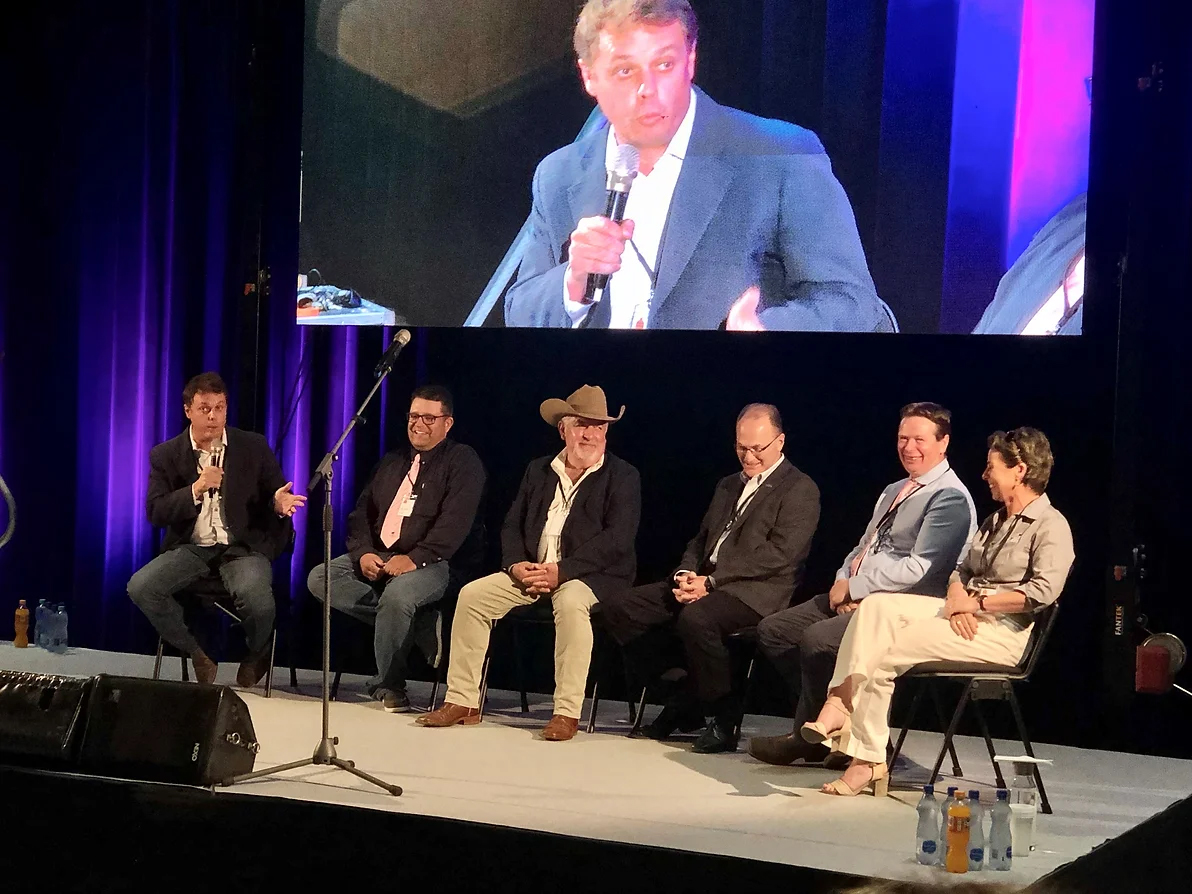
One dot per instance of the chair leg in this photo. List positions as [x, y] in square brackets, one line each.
[599, 652]
[185, 670]
[997, 771]
[157, 659]
[434, 692]
[484, 682]
[960, 705]
[272, 657]
[335, 685]
[520, 666]
[910, 719]
[595, 706]
[641, 713]
[939, 715]
[745, 698]
[1026, 743]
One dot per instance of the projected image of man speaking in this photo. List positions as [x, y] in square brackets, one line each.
[733, 221]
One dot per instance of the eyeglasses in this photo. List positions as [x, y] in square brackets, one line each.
[427, 418]
[756, 451]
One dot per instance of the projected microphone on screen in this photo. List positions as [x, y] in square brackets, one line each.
[620, 178]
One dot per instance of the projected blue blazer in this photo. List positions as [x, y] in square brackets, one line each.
[756, 204]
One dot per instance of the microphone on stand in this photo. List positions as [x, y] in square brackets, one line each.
[386, 362]
[620, 178]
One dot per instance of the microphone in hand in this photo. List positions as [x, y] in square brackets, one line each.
[620, 178]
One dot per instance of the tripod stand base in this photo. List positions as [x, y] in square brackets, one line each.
[324, 756]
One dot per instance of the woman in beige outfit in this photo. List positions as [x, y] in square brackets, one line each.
[1016, 564]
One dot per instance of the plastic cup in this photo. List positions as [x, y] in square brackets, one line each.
[1022, 828]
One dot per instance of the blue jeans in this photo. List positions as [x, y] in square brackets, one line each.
[247, 578]
[388, 604]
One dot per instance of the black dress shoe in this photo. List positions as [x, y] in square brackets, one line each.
[717, 738]
[784, 750]
[671, 719]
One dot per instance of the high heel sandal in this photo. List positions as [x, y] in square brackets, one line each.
[879, 782]
[816, 734]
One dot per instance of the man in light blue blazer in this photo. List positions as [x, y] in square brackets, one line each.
[920, 528]
[733, 221]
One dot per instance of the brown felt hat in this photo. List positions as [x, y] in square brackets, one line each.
[587, 401]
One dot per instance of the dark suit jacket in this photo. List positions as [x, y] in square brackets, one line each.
[449, 488]
[251, 476]
[755, 204]
[597, 541]
[761, 562]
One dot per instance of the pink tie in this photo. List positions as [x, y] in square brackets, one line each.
[907, 489]
[391, 529]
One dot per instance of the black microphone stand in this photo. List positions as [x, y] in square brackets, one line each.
[325, 750]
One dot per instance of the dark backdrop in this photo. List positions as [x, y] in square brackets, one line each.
[152, 130]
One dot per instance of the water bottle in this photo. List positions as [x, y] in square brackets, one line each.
[41, 625]
[927, 835]
[943, 839]
[1001, 854]
[61, 631]
[976, 832]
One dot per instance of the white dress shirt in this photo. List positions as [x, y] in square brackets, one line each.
[210, 527]
[747, 493]
[631, 288]
[560, 508]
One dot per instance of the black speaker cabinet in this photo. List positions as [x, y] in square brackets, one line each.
[40, 718]
[166, 731]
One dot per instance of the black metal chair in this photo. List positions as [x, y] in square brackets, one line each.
[744, 643]
[981, 682]
[210, 593]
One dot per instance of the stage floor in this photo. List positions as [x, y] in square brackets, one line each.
[605, 786]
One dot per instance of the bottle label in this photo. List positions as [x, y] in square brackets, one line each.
[958, 823]
[929, 846]
[1009, 853]
[977, 855]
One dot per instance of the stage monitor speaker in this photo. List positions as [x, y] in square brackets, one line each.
[165, 731]
[1155, 856]
[40, 718]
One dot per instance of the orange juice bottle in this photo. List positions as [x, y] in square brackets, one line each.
[21, 640]
[958, 837]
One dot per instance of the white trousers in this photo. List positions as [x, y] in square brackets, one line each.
[485, 600]
[891, 633]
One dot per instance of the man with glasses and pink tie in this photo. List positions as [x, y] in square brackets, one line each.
[918, 530]
[411, 520]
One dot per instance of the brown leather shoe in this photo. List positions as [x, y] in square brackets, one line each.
[560, 728]
[784, 750]
[450, 715]
[205, 668]
[253, 668]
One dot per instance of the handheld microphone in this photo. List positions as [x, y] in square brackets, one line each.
[386, 362]
[620, 178]
[216, 460]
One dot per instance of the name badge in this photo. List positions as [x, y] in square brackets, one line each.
[406, 509]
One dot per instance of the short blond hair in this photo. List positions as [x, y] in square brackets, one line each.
[600, 14]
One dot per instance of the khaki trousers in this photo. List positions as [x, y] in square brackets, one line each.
[485, 600]
[889, 634]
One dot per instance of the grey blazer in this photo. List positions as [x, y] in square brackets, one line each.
[917, 547]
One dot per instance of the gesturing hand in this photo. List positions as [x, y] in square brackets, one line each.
[286, 503]
[743, 315]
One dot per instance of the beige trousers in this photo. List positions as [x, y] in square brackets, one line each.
[891, 633]
[485, 600]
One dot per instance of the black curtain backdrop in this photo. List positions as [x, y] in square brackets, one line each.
[150, 129]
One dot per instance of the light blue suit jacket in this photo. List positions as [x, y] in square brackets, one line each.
[756, 204]
[917, 548]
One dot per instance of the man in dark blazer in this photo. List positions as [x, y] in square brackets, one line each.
[414, 515]
[743, 565]
[226, 506]
[569, 535]
[732, 220]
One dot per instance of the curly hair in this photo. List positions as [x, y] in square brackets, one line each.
[1030, 447]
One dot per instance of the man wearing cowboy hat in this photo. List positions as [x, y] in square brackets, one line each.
[569, 535]
[743, 565]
